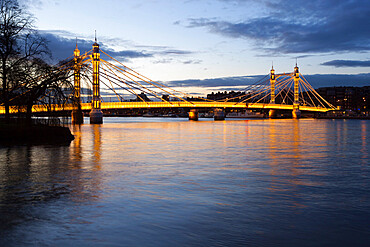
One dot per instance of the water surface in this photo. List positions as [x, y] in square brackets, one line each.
[173, 182]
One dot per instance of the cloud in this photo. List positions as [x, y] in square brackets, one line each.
[175, 52]
[301, 27]
[171, 60]
[197, 61]
[165, 60]
[31, 3]
[62, 47]
[329, 80]
[62, 44]
[164, 50]
[235, 83]
[217, 82]
[124, 54]
[222, 89]
[347, 63]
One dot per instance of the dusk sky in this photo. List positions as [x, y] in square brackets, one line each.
[216, 42]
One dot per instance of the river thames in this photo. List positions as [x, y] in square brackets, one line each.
[174, 182]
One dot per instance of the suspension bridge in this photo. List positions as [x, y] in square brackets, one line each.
[274, 92]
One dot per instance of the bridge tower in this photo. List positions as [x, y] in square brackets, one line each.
[296, 113]
[272, 112]
[77, 115]
[96, 115]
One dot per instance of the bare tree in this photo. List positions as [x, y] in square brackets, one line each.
[41, 83]
[19, 44]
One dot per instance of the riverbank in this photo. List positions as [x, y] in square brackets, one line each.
[344, 117]
[15, 134]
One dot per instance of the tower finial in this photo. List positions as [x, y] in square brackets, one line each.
[296, 62]
[272, 62]
[76, 43]
[95, 36]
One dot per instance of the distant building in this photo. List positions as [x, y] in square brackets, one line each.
[165, 97]
[140, 97]
[234, 96]
[347, 98]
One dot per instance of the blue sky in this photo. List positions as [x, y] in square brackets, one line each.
[202, 42]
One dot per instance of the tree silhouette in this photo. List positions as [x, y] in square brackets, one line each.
[41, 83]
[26, 79]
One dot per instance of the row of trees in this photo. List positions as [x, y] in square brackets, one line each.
[26, 78]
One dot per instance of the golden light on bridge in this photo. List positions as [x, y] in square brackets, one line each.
[256, 97]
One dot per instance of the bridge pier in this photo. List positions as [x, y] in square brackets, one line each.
[193, 115]
[272, 113]
[218, 114]
[296, 113]
[96, 116]
[77, 117]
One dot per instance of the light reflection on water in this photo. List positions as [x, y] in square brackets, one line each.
[173, 182]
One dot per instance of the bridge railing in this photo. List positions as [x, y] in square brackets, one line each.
[177, 104]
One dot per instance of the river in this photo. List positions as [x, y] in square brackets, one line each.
[174, 182]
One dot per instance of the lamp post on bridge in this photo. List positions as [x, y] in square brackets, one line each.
[96, 115]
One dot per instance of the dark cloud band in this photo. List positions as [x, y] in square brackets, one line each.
[347, 63]
[302, 27]
[319, 80]
[62, 44]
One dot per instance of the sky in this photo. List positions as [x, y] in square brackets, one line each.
[216, 43]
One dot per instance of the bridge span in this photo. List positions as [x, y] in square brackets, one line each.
[188, 104]
[285, 91]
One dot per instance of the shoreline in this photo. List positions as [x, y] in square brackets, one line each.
[12, 134]
[344, 117]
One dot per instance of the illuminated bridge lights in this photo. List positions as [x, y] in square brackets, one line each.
[127, 105]
[282, 87]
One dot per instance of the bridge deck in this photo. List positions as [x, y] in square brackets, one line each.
[179, 104]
